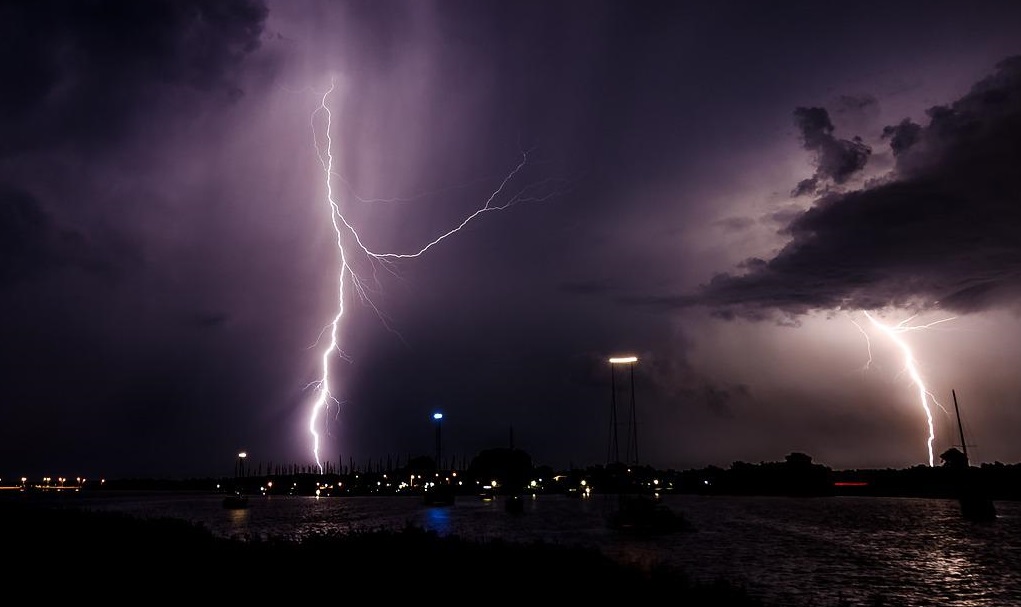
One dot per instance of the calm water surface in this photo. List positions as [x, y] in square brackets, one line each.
[797, 552]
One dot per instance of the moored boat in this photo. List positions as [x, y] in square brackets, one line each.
[646, 515]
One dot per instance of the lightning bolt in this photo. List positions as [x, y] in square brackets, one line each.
[910, 365]
[349, 242]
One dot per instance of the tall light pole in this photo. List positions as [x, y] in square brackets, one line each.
[439, 422]
[632, 441]
[239, 466]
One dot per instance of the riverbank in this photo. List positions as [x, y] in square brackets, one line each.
[54, 547]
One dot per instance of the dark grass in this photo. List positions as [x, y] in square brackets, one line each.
[57, 549]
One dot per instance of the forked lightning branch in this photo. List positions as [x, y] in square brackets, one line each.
[910, 364]
[350, 243]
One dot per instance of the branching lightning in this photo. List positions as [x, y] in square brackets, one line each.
[349, 241]
[910, 365]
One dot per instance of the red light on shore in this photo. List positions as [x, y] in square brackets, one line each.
[850, 484]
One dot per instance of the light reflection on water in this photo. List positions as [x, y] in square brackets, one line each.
[439, 520]
[847, 551]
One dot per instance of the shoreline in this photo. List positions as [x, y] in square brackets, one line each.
[83, 548]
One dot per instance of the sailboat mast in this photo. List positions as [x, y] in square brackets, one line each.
[960, 428]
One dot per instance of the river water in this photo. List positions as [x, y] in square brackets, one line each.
[846, 551]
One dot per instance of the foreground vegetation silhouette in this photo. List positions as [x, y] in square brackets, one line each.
[109, 553]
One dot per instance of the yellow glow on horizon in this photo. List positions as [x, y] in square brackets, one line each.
[623, 359]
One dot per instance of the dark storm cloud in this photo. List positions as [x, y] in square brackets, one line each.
[78, 77]
[940, 230]
[98, 97]
[902, 136]
[81, 71]
[836, 159]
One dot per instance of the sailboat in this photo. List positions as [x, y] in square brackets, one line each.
[645, 514]
[976, 504]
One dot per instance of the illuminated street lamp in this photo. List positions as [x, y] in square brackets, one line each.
[239, 466]
[438, 417]
[632, 444]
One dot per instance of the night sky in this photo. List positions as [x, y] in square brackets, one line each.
[722, 189]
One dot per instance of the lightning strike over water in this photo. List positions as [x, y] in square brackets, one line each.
[346, 233]
[910, 365]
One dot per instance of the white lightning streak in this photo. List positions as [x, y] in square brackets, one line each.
[893, 332]
[536, 192]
